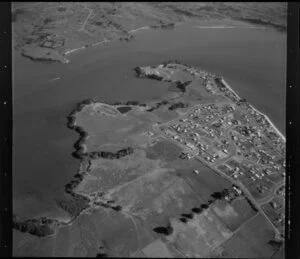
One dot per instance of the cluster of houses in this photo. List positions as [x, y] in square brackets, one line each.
[195, 137]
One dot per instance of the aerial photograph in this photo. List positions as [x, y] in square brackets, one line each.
[149, 129]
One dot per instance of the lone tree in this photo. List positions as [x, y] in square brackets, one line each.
[116, 208]
[184, 220]
[164, 230]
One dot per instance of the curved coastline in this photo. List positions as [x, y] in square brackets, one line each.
[262, 114]
[79, 203]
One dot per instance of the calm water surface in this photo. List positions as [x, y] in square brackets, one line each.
[251, 60]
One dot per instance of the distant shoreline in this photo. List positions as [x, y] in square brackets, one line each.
[228, 27]
[68, 52]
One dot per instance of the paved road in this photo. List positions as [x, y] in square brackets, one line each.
[272, 193]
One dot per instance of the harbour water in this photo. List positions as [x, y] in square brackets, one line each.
[251, 60]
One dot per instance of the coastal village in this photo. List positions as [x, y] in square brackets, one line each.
[189, 175]
[232, 138]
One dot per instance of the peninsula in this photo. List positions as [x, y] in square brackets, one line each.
[197, 173]
[49, 31]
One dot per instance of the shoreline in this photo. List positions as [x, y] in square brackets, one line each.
[228, 27]
[262, 114]
[68, 52]
[139, 29]
[84, 202]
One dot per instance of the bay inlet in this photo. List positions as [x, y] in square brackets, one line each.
[252, 62]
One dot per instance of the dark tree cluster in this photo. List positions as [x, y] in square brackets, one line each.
[218, 81]
[108, 204]
[164, 230]
[117, 208]
[39, 227]
[69, 187]
[262, 22]
[182, 86]
[204, 206]
[196, 210]
[134, 103]
[163, 26]
[110, 155]
[157, 105]
[220, 195]
[175, 106]
[184, 220]
[78, 153]
[102, 253]
[71, 118]
[187, 215]
[166, 63]
[216, 196]
[75, 205]
[139, 72]
[155, 77]
[168, 230]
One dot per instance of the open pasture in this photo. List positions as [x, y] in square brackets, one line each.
[205, 183]
[235, 214]
[118, 129]
[165, 150]
[250, 241]
[198, 236]
[107, 174]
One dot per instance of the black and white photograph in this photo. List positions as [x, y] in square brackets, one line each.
[149, 129]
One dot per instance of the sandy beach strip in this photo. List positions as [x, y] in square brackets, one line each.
[215, 27]
[100, 42]
[138, 29]
[74, 50]
[266, 117]
[84, 47]
[227, 27]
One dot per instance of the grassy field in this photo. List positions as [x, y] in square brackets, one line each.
[197, 237]
[250, 241]
[235, 214]
[153, 188]
[108, 174]
[203, 184]
[166, 150]
[65, 26]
